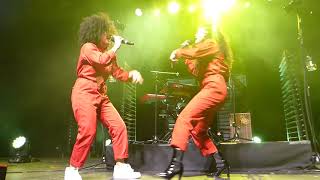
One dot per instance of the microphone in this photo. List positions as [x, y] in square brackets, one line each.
[124, 41]
[182, 45]
[185, 44]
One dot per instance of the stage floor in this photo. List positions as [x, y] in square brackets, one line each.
[53, 169]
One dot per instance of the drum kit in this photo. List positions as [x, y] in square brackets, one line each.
[169, 101]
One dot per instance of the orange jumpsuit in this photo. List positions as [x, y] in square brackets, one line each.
[89, 102]
[206, 62]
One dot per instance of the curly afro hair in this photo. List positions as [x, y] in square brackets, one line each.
[92, 27]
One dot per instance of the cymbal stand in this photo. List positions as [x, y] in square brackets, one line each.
[236, 137]
[156, 75]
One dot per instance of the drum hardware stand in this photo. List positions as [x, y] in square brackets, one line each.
[156, 74]
[236, 137]
[167, 136]
[104, 159]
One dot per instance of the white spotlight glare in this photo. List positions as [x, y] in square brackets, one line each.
[192, 8]
[256, 139]
[173, 7]
[138, 12]
[228, 4]
[216, 7]
[247, 5]
[157, 12]
[19, 142]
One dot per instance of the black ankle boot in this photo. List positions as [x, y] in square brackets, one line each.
[175, 167]
[221, 166]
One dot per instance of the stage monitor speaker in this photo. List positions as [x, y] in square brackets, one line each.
[242, 122]
[3, 171]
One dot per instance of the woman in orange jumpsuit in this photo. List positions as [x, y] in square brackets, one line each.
[209, 60]
[89, 100]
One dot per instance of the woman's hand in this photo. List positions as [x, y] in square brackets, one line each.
[173, 57]
[136, 77]
[117, 43]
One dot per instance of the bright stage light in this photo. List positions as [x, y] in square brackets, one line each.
[192, 8]
[157, 12]
[20, 150]
[173, 7]
[138, 12]
[247, 4]
[19, 142]
[214, 7]
[256, 139]
[213, 10]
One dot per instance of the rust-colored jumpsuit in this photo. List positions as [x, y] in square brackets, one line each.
[89, 102]
[205, 61]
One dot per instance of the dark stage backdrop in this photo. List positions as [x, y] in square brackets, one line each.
[39, 51]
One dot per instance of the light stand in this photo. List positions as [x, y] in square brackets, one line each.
[306, 91]
[307, 65]
[20, 150]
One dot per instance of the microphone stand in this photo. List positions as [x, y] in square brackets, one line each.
[168, 73]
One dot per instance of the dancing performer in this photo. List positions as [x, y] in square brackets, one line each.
[209, 60]
[89, 100]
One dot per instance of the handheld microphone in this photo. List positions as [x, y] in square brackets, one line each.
[124, 41]
[185, 43]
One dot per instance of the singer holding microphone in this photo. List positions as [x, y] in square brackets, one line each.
[89, 100]
[209, 60]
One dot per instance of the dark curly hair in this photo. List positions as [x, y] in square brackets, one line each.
[92, 27]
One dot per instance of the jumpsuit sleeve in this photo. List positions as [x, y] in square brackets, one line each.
[96, 57]
[191, 65]
[203, 50]
[119, 73]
